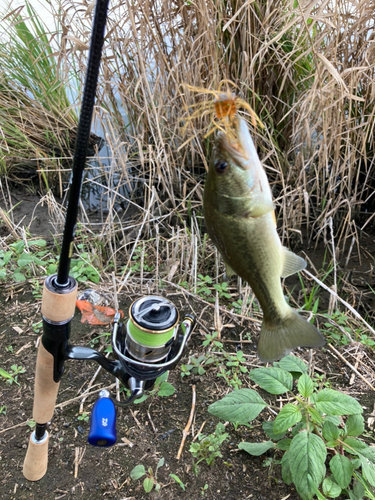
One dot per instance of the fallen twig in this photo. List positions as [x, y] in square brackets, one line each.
[60, 405]
[350, 366]
[185, 432]
[351, 309]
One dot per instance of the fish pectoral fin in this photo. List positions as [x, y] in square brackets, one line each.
[262, 205]
[292, 263]
[229, 273]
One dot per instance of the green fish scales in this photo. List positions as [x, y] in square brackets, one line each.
[239, 216]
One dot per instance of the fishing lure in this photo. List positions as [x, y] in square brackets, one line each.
[221, 109]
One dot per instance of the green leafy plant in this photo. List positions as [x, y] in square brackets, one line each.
[161, 388]
[82, 269]
[210, 340]
[203, 286]
[233, 368]
[137, 260]
[12, 375]
[196, 365]
[23, 261]
[150, 480]
[3, 410]
[309, 431]
[204, 489]
[84, 417]
[223, 291]
[335, 327]
[31, 424]
[207, 448]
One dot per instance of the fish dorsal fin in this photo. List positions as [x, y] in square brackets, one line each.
[292, 263]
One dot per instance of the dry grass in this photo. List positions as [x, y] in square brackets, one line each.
[308, 72]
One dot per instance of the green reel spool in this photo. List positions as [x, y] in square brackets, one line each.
[151, 328]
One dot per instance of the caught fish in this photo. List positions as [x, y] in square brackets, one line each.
[240, 219]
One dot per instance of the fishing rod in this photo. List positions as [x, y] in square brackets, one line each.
[150, 343]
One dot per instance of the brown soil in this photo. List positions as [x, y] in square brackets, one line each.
[154, 428]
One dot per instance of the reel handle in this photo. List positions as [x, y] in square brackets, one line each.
[103, 422]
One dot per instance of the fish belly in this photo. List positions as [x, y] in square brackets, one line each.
[252, 248]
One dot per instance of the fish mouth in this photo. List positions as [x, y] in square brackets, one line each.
[238, 144]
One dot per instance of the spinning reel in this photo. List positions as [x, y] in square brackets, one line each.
[146, 348]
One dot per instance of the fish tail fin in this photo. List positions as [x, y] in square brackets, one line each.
[278, 339]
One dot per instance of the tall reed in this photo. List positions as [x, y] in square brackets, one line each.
[306, 68]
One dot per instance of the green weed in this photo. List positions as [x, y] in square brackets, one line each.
[12, 375]
[308, 431]
[207, 448]
[150, 482]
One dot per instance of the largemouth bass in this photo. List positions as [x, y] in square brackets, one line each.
[240, 219]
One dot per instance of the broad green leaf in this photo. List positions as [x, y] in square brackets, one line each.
[7, 257]
[38, 261]
[51, 268]
[19, 277]
[330, 431]
[305, 385]
[292, 364]
[330, 488]
[285, 469]
[148, 484]
[25, 259]
[333, 418]
[289, 415]
[162, 378]
[160, 463]
[356, 463]
[272, 380]
[268, 429]
[137, 472]
[337, 403]
[240, 406]
[354, 446]
[342, 469]
[368, 470]
[3, 274]
[284, 444]
[355, 425]
[369, 452]
[358, 490]
[18, 246]
[38, 243]
[166, 389]
[141, 399]
[319, 495]
[307, 455]
[256, 449]
[315, 415]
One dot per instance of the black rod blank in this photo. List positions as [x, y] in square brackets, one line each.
[82, 140]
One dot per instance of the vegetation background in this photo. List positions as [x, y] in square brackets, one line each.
[305, 67]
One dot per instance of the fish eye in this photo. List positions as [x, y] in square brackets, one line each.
[221, 166]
